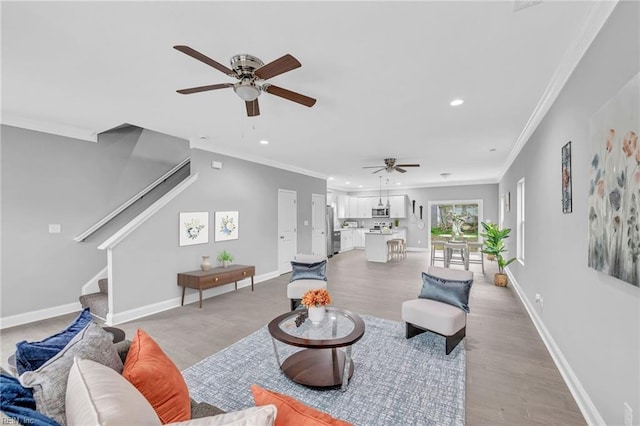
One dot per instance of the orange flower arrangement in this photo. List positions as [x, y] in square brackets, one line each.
[318, 297]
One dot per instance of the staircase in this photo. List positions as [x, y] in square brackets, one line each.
[98, 303]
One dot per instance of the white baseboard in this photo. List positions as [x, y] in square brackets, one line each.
[586, 405]
[191, 297]
[40, 314]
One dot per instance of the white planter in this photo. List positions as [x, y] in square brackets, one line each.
[316, 314]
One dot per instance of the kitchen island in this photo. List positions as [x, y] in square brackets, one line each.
[375, 243]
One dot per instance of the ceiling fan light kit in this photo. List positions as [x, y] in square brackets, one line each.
[391, 166]
[248, 70]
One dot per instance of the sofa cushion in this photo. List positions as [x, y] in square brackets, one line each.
[308, 271]
[292, 412]
[17, 403]
[297, 289]
[433, 315]
[97, 395]
[157, 378]
[49, 382]
[31, 355]
[455, 293]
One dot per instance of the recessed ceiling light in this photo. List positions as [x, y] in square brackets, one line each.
[264, 142]
[456, 102]
[398, 183]
[347, 183]
[330, 178]
[360, 186]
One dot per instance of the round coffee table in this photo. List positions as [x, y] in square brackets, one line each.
[321, 363]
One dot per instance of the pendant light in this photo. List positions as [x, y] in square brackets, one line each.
[380, 199]
[388, 203]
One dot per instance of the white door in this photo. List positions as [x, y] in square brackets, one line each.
[318, 225]
[287, 232]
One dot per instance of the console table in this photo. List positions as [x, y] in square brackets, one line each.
[214, 277]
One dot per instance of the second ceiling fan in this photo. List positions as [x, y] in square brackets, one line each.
[249, 70]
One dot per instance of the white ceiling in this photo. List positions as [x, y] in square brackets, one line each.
[383, 74]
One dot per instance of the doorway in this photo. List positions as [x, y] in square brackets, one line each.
[318, 225]
[287, 229]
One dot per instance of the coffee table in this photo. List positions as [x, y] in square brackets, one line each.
[320, 364]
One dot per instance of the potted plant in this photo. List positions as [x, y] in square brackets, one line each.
[315, 302]
[224, 257]
[494, 246]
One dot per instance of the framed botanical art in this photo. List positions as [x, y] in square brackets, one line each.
[194, 228]
[226, 226]
[566, 178]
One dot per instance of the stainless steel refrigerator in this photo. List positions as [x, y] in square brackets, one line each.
[329, 231]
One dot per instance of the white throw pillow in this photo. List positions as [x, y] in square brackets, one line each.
[254, 416]
[97, 395]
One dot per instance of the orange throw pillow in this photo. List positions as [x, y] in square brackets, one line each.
[158, 379]
[292, 412]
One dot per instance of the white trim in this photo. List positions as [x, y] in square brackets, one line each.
[123, 232]
[474, 182]
[130, 201]
[572, 56]
[580, 395]
[92, 285]
[191, 297]
[40, 314]
[197, 143]
[51, 128]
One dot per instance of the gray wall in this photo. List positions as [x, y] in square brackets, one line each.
[48, 179]
[416, 238]
[593, 318]
[146, 263]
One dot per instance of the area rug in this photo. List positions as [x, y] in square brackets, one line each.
[396, 381]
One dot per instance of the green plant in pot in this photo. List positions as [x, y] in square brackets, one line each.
[494, 247]
[225, 258]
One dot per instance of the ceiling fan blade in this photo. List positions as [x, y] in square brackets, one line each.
[253, 108]
[373, 173]
[207, 60]
[277, 67]
[407, 165]
[289, 95]
[371, 167]
[398, 169]
[204, 88]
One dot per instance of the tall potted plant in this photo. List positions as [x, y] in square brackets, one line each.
[494, 246]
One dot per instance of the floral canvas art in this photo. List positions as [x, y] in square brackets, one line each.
[226, 226]
[194, 228]
[614, 190]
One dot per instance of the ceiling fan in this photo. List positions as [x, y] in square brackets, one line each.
[390, 165]
[248, 70]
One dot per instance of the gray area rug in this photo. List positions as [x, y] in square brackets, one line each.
[395, 382]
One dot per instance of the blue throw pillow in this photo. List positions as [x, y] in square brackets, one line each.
[308, 271]
[17, 402]
[455, 293]
[31, 355]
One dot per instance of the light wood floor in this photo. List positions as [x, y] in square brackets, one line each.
[511, 378]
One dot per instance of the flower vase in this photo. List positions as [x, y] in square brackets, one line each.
[206, 263]
[316, 314]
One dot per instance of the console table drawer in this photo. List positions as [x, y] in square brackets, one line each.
[215, 280]
[242, 274]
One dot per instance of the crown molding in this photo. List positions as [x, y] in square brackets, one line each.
[49, 127]
[593, 24]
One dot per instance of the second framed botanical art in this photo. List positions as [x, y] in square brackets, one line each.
[226, 226]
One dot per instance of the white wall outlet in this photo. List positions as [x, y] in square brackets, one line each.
[54, 228]
[306, 223]
[628, 415]
[538, 297]
[216, 165]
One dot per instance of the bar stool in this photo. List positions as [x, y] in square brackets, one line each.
[456, 253]
[437, 246]
[478, 246]
[393, 250]
[403, 247]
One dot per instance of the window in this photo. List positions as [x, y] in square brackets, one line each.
[520, 221]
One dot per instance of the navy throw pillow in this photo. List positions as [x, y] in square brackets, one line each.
[308, 271]
[31, 355]
[455, 293]
[18, 403]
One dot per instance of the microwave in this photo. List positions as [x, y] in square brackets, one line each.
[380, 212]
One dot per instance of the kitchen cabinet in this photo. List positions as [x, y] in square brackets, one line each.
[358, 238]
[398, 206]
[342, 206]
[364, 208]
[346, 240]
[353, 207]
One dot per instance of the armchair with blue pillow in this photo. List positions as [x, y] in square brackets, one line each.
[308, 272]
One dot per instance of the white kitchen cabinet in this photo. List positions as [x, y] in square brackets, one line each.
[364, 208]
[398, 206]
[346, 240]
[358, 238]
[342, 206]
[353, 207]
